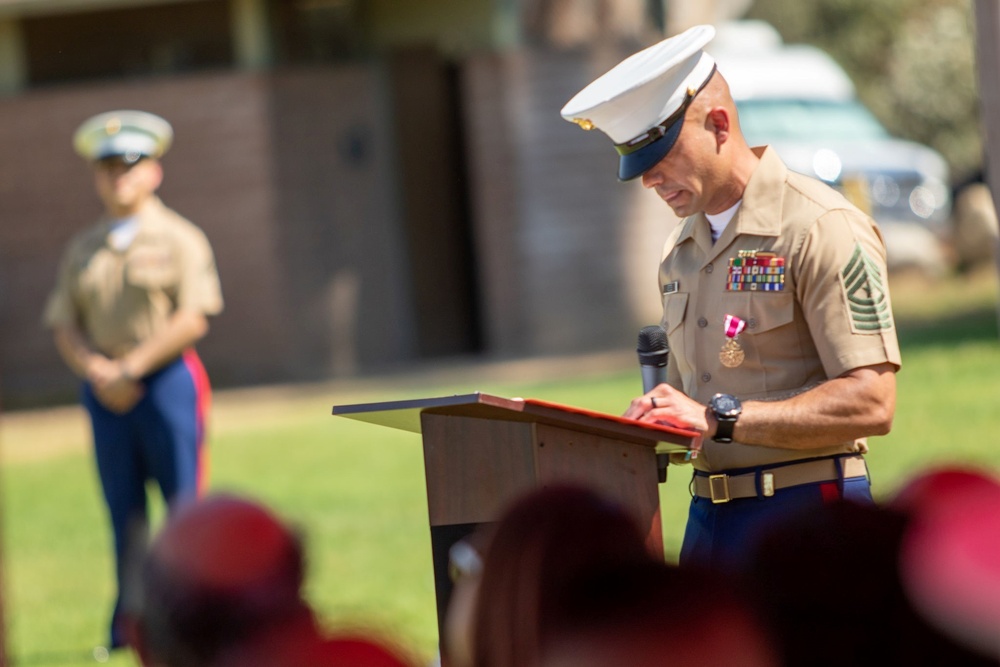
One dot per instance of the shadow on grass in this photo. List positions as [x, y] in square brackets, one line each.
[979, 324]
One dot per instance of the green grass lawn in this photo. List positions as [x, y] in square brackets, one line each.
[357, 490]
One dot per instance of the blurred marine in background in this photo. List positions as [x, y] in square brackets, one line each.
[132, 298]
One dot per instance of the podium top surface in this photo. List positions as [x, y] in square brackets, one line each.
[405, 415]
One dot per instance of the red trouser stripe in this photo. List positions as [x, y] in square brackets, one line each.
[830, 491]
[203, 391]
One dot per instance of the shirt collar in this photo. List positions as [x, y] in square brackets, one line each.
[760, 213]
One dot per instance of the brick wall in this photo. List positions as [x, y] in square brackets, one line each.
[296, 178]
[286, 173]
[568, 255]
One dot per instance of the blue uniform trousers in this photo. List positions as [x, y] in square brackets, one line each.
[160, 439]
[723, 535]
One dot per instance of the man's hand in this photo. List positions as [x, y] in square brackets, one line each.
[112, 388]
[100, 370]
[666, 404]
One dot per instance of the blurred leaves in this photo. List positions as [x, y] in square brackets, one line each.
[912, 61]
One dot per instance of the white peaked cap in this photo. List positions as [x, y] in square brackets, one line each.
[125, 133]
[643, 91]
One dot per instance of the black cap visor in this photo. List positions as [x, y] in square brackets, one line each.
[126, 157]
[638, 162]
[642, 153]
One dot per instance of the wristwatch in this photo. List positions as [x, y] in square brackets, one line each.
[727, 409]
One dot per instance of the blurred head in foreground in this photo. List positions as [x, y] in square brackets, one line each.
[950, 556]
[222, 585]
[542, 544]
[656, 614]
[833, 579]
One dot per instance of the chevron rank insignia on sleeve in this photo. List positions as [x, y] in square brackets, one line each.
[865, 293]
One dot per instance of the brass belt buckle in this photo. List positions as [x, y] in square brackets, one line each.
[718, 486]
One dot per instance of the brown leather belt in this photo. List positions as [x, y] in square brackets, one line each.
[722, 488]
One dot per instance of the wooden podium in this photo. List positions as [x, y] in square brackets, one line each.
[482, 451]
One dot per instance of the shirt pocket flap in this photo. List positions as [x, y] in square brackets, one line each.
[674, 308]
[151, 268]
[770, 311]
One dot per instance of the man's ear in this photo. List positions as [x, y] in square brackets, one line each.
[720, 123]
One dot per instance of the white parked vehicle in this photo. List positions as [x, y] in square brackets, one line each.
[797, 99]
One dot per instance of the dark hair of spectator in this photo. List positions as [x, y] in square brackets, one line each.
[541, 545]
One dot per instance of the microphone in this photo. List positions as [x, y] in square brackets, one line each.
[653, 351]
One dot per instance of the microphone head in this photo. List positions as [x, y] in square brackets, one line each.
[652, 346]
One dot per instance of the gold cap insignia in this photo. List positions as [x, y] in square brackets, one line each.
[584, 123]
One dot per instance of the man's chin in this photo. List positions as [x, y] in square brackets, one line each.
[681, 204]
[682, 210]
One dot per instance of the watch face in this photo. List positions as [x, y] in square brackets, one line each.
[725, 405]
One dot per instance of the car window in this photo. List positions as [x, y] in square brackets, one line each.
[773, 120]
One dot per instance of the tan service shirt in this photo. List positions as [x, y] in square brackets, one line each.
[120, 298]
[826, 310]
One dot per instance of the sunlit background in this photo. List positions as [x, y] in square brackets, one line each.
[390, 192]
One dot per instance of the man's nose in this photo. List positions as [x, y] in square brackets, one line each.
[651, 179]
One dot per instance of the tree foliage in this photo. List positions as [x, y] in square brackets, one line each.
[912, 61]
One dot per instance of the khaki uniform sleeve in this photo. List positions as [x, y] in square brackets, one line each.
[844, 294]
[60, 308]
[199, 288]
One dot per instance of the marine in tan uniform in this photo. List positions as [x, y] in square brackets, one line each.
[133, 296]
[783, 349]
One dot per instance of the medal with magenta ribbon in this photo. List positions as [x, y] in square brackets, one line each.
[732, 354]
